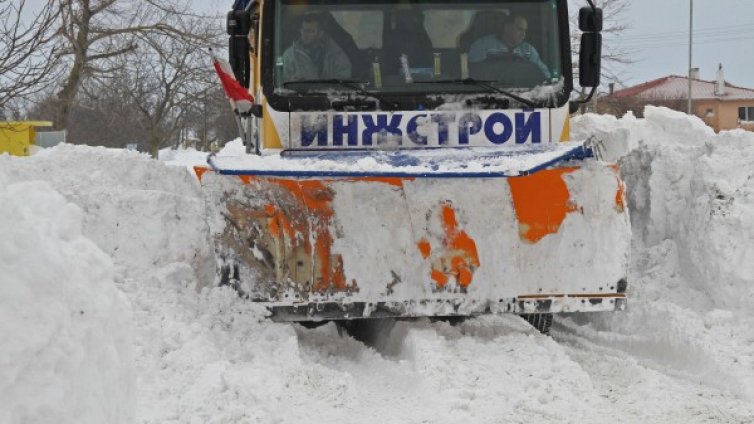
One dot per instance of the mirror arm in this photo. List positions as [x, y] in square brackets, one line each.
[588, 98]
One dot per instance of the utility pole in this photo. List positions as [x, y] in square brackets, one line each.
[691, 43]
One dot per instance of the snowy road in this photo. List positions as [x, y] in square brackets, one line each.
[639, 390]
[218, 364]
[683, 352]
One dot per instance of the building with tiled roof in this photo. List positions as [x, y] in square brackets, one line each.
[722, 105]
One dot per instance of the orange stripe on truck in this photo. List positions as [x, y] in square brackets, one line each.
[393, 181]
[199, 171]
[315, 214]
[541, 201]
[457, 258]
[425, 248]
[620, 196]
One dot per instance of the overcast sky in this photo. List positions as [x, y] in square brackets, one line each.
[658, 39]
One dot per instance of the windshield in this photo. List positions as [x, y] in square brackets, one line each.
[421, 47]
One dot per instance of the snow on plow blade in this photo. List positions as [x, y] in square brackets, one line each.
[417, 234]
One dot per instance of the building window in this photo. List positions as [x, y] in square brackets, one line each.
[746, 114]
[709, 113]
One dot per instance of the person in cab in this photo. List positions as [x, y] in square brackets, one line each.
[409, 37]
[509, 40]
[315, 55]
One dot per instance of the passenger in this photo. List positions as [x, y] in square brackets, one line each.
[509, 40]
[314, 55]
[408, 37]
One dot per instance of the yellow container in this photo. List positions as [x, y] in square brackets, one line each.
[17, 137]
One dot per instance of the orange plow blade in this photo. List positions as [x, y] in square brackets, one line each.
[314, 248]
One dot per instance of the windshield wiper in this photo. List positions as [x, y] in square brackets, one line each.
[353, 85]
[482, 83]
[323, 81]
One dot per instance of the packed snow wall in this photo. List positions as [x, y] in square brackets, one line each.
[140, 211]
[65, 330]
[691, 197]
[693, 187]
[77, 224]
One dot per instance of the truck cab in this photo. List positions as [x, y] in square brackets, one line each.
[508, 61]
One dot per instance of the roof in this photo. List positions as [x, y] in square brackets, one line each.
[676, 87]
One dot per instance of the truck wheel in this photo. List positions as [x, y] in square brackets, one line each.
[310, 325]
[541, 322]
[370, 331]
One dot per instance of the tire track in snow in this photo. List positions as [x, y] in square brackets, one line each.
[483, 371]
[639, 389]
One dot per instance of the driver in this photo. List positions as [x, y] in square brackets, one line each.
[314, 55]
[509, 40]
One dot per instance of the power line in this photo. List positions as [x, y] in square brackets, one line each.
[676, 44]
[657, 46]
[729, 34]
[713, 39]
[707, 31]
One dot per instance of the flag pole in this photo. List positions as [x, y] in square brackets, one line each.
[241, 102]
[241, 132]
[691, 50]
[250, 135]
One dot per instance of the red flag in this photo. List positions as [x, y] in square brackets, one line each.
[240, 98]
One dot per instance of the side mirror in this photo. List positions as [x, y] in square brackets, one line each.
[590, 20]
[590, 56]
[238, 23]
[238, 26]
[590, 59]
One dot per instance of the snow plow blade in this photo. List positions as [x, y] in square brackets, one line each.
[345, 235]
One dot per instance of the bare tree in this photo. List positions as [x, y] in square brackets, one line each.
[27, 50]
[106, 113]
[97, 32]
[164, 79]
[209, 119]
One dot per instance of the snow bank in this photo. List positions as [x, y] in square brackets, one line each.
[184, 157]
[211, 358]
[695, 188]
[65, 355]
[190, 157]
[141, 212]
[691, 197]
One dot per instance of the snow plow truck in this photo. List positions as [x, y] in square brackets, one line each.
[413, 159]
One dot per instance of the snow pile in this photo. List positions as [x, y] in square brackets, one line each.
[141, 212]
[210, 358]
[187, 157]
[691, 196]
[65, 355]
[695, 188]
[190, 157]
